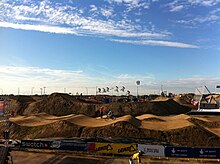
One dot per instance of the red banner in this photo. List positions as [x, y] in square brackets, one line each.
[2, 105]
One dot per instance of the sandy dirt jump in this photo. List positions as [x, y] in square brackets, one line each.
[160, 121]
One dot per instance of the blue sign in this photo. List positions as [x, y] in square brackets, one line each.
[206, 152]
[69, 146]
[182, 152]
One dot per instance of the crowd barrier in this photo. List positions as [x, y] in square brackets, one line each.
[124, 149]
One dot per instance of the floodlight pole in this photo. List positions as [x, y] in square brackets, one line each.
[32, 90]
[138, 83]
[44, 90]
[41, 91]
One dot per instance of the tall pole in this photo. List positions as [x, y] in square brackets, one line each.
[41, 91]
[138, 83]
[44, 90]
[32, 90]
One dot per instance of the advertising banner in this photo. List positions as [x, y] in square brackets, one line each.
[73, 146]
[183, 152]
[206, 152]
[152, 150]
[91, 146]
[115, 148]
[37, 144]
[2, 107]
[125, 149]
[104, 148]
[69, 145]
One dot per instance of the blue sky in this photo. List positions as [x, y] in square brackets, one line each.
[80, 45]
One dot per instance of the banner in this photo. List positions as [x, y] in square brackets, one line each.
[115, 148]
[128, 149]
[91, 146]
[37, 144]
[183, 152]
[152, 150]
[104, 147]
[206, 152]
[68, 145]
[2, 105]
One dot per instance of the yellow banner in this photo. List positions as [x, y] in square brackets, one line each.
[115, 148]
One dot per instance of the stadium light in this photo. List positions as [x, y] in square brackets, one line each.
[138, 83]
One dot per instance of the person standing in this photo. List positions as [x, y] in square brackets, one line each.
[101, 110]
[136, 158]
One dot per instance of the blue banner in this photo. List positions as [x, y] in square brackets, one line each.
[206, 152]
[182, 152]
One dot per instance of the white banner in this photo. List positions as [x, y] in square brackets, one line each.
[152, 150]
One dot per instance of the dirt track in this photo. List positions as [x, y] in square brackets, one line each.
[161, 120]
[180, 129]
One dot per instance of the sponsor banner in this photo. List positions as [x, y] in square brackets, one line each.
[152, 150]
[2, 105]
[104, 148]
[183, 152]
[114, 148]
[55, 144]
[68, 145]
[91, 146]
[37, 144]
[1, 113]
[125, 149]
[206, 152]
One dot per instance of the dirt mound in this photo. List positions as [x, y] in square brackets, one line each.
[56, 129]
[204, 123]
[59, 105]
[156, 107]
[168, 107]
[180, 130]
[20, 103]
[63, 104]
[154, 119]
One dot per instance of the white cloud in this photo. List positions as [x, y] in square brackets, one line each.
[190, 84]
[176, 8]
[41, 28]
[206, 3]
[54, 19]
[200, 20]
[157, 43]
[126, 1]
[107, 12]
[93, 8]
[55, 80]
[27, 77]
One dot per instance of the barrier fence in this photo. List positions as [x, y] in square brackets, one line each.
[124, 149]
